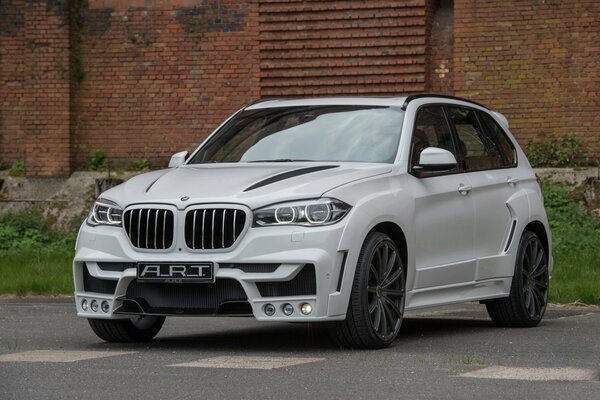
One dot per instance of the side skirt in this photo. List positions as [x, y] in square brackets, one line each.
[458, 293]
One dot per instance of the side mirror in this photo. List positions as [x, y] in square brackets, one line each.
[436, 159]
[178, 159]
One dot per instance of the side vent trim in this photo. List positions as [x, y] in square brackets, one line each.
[342, 269]
[513, 226]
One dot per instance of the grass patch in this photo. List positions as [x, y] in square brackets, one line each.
[34, 259]
[39, 271]
[37, 260]
[576, 247]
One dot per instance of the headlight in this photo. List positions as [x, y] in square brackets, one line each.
[305, 212]
[105, 212]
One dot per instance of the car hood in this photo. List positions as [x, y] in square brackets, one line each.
[254, 185]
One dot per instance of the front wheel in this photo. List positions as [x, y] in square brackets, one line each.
[137, 329]
[376, 306]
[526, 304]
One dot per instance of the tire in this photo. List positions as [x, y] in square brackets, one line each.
[376, 305]
[526, 304]
[140, 329]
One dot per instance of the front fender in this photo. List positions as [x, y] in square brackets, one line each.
[370, 198]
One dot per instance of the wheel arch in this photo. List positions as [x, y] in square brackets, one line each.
[396, 234]
[539, 229]
[360, 229]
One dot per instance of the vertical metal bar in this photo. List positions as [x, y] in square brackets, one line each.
[234, 217]
[155, 227]
[223, 229]
[130, 214]
[139, 224]
[164, 226]
[202, 239]
[212, 233]
[194, 230]
[147, 224]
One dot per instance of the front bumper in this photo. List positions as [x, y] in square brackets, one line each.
[295, 249]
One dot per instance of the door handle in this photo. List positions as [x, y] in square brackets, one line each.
[464, 189]
[512, 181]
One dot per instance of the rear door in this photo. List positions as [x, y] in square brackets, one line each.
[487, 163]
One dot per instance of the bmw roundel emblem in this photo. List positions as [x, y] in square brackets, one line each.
[185, 198]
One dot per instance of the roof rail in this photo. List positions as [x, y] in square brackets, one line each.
[440, 96]
[265, 99]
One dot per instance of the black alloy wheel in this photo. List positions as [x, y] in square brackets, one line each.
[535, 278]
[376, 306]
[386, 291]
[526, 304]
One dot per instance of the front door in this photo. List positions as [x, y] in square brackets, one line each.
[444, 210]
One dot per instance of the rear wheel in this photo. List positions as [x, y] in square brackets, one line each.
[526, 304]
[376, 306]
[138, 329]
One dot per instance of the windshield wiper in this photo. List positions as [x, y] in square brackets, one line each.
[279, 160]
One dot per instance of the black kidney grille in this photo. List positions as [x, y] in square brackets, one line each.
[149, 228]
[213, 228]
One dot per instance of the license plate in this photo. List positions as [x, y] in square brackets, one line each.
[176, 272]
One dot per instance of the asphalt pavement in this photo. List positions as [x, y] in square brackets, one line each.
[46, 352]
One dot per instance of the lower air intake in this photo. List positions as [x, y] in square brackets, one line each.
[303, 284]
[225, 296]
[97, 285]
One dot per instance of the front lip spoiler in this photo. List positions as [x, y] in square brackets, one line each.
[127, 301]
[140, 307]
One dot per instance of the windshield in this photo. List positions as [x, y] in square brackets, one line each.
[308, 133]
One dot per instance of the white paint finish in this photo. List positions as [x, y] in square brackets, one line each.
[490, 193]
[448, 258]
[227, 182]
[248, 362]
[59, 356]
[535, 374]
[444, 222]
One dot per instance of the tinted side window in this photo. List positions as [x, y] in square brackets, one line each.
[431, 130]
[497, 134]
[477, 150]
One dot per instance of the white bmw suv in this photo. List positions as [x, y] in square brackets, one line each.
[348, 211]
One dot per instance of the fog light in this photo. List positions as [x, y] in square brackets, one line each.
[305, 308]
[287, 309]
[94, 305]
[84, 305]
[269, 309]
[104, 306]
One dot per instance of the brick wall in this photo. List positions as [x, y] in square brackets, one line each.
[12, 79]
[147, 78]
[535, 61]
[160, 76]
[374, 47]
[440, 66]
[35, 96]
